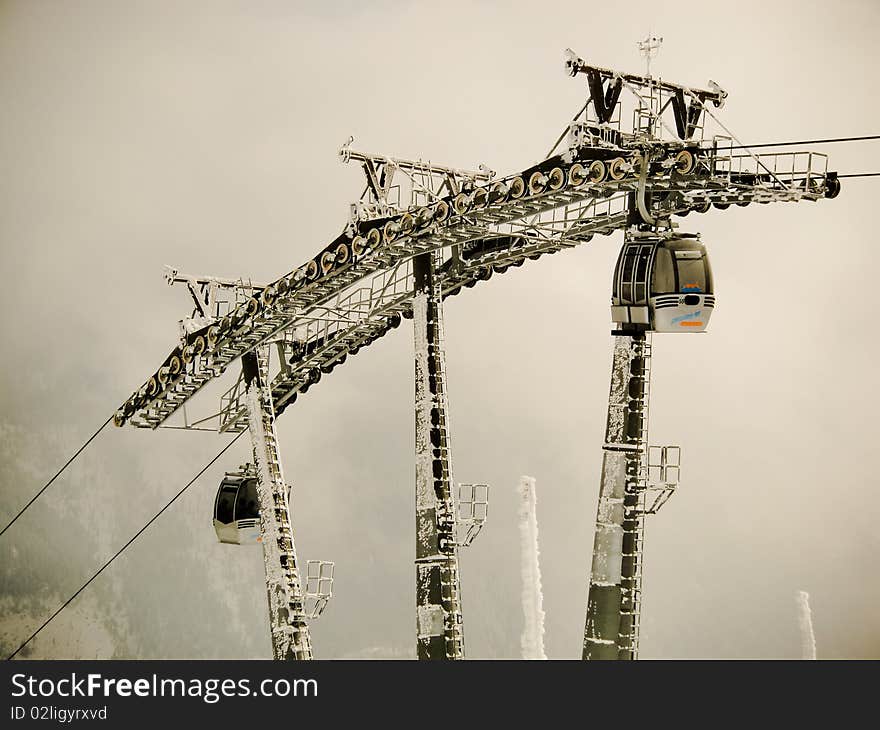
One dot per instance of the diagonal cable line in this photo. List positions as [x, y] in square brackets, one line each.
[120, 551]
[805, 141]
[57, 474]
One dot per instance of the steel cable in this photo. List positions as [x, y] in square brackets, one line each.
[57, 474]
[122, 549]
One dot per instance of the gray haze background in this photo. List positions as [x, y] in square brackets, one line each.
[204, 134]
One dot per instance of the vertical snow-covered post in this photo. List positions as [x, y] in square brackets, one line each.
[805, 619]
[532, 640]
[290, 632]
[612, 623]
[438, 603]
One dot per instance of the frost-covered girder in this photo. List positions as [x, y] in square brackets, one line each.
[654, 96]
[359, 286]
[213, 297]
[440, 633]
[395, 185]
[287, 611]
[575, 65]
[614, 601]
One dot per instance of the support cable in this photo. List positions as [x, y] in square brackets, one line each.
[806, 141]
[565, 131]
[57, 474]
[120, 551]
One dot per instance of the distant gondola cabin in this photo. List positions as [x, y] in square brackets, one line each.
[662, 285]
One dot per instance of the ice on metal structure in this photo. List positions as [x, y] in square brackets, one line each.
[805, 619]
[613, 605]
[358, 286]
[290, 632]
[532, 640]
[473, 511]
[422, 231]
[438, 602]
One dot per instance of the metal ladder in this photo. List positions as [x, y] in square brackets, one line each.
[450, 583]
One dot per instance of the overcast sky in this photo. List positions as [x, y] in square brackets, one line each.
[204, 135]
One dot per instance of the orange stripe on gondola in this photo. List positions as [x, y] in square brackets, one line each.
[691, 323]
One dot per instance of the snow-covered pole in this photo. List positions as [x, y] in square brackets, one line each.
[287, 619]
[532, 640]
[805, 619]
[611, 630]
[438, 603]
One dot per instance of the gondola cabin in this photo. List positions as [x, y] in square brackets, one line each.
[662, 285]
[237, 509]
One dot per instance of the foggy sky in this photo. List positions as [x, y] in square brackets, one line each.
[204, 135]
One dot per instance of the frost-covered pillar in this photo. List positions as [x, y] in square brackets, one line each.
[611, 630]
[438, 603]
[290, 633]
[532, 640]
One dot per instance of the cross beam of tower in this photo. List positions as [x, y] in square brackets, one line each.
[438, 590]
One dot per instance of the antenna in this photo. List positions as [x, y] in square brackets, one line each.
[649, 48]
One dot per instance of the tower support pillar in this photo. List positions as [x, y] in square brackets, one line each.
[287, 618]
[613, 604]
[438, 590]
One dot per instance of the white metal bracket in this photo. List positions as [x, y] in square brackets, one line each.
[319, 587]
[473, 509]
[663, 476]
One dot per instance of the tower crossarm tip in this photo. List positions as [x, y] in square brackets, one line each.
[575, 65]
